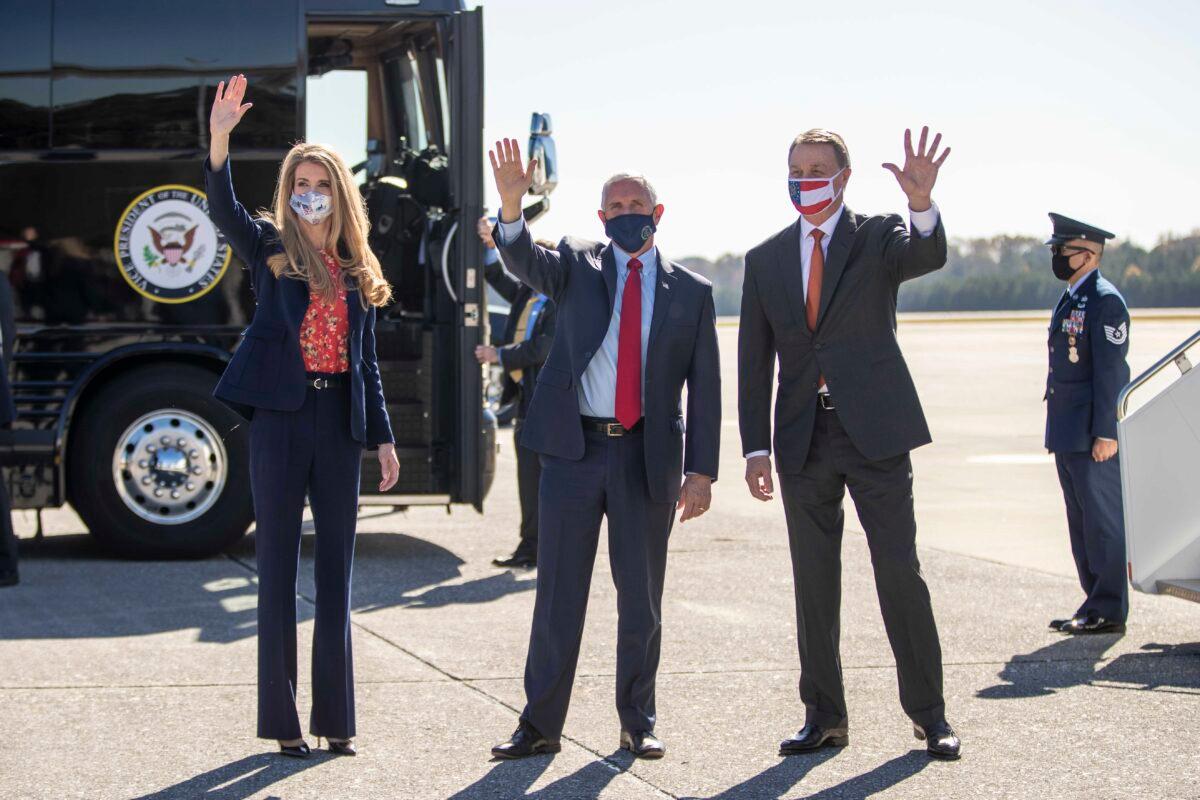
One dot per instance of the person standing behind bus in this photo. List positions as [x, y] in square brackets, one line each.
[9, 575]
[306, 376]
[527, 338]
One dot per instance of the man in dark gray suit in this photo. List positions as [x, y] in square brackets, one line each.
[821, 296]
[606, 417]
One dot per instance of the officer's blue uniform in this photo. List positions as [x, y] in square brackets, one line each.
[1089, 342]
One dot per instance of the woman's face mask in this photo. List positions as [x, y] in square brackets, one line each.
[312, 206]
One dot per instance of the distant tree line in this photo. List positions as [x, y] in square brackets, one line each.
[1009, 273]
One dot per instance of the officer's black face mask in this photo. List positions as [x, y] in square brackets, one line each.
[1061, 263]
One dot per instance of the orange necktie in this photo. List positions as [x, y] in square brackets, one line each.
[816, 271]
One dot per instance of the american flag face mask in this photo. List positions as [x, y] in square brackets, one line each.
[813, 195]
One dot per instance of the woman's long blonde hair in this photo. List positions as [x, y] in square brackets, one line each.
[348, 225]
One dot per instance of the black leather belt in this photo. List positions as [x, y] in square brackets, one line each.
[825, 401]
[609, 426]
[325, 380]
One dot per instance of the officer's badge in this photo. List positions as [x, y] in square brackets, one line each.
[1117, 335]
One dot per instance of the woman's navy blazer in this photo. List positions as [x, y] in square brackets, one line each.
[267, 369]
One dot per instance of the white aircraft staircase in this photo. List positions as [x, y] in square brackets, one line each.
[1160, 475]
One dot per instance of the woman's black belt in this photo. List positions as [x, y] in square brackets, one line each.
[326, 380]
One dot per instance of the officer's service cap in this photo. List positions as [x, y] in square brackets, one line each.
[1066, 229]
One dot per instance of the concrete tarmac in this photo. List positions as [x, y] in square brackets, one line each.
[123, 679]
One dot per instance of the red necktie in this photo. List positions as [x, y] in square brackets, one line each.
[629, 349]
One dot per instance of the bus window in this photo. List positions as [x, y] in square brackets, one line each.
[335, 113]
[24, 76]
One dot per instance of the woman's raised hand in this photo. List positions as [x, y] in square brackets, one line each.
[227, 107]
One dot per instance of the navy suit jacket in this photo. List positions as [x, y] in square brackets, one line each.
[267, 369]
[529, 354]
[581, 278]
[1081, 395]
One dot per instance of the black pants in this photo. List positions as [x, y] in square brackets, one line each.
[291, 453]
[882, 493]
[609, 481]
[8, 539]
[529, 476]
[1096, 520]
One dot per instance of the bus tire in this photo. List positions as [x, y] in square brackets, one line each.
[159, 468]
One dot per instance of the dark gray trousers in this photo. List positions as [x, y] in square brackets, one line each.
[1096, 520]
[529, 476]
[291, 453]
[882, 493]
[609, 481]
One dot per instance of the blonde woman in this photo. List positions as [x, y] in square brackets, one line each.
[306, 376]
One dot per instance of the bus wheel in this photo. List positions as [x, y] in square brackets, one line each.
[159, 468]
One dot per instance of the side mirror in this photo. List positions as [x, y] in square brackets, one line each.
[541, 147]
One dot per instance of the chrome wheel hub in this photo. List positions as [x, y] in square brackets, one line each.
[169, 466]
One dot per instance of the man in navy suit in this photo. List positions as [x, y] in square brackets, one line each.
[606, 417]
[1089, 341]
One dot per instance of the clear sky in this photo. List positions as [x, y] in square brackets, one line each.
[1086, 108]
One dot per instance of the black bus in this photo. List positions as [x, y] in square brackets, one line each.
[128, 300]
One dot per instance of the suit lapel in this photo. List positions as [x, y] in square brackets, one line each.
[664, 283]
[608, 268]
[835, 259]
[791, 272]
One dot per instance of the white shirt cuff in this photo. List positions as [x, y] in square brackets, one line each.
[924, 222]
[758, 453]
[509, 231]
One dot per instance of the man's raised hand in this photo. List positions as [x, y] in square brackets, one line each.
[227, 107]
[920, 169]
[513, 177]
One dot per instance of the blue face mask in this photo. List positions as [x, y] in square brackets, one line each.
[312, 206]
[630, 231]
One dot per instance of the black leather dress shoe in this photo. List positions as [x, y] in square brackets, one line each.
[526, 741]
[1092, 624]
[519, 559]
[814, 737]
[1057, 624]
[643, 744]
[940, 740]
[9, 577]
[295, 751]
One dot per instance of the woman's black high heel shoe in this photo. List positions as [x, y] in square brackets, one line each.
[295, 751]
[345, 748]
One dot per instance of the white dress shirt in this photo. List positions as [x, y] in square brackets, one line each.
[920, 222]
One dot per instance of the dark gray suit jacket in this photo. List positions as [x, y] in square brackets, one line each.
[581, 278]
[854, 345]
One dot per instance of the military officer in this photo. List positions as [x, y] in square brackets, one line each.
[1089, 341]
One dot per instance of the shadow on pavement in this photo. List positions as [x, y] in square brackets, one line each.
[238, 779]
[514, 779]
[883, 777]
[72, 589]
[776, 781]
[1071, 661]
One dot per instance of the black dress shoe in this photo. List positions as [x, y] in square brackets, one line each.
[345, 748]
[523, 560]
[643, 744]
[814, 737]
[526, 741]
[295, 751]
[9, 577]
[1057, 624]
[1092, 624]
[940, 740]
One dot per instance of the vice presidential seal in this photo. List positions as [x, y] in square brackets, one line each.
[167, 247]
